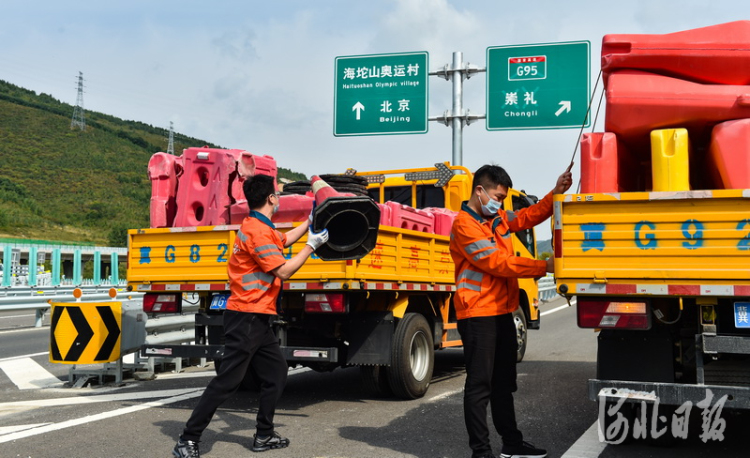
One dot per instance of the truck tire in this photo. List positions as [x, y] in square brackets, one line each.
[375, 381]
[522, 332]
[412, 357]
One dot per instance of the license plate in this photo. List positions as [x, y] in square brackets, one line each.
[219, 302]
[742, 314]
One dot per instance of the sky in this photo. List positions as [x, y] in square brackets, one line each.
[259, 75]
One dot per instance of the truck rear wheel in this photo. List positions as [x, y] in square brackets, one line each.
[412, 357]
[519, 319]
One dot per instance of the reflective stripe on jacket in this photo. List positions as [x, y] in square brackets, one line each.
[487, 269]
[258, 249]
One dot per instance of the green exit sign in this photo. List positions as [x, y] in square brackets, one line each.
[538, 86]
[381, 94]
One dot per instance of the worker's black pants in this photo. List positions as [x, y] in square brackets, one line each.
[490, 349]
[249, 342]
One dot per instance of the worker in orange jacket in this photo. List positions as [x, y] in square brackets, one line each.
[256, 269]
[487, 272]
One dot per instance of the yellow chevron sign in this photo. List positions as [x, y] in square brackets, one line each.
[85, 332]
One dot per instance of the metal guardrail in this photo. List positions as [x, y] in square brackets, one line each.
[41, 302]
[547, 290]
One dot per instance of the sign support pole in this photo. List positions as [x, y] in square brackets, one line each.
[457, 118]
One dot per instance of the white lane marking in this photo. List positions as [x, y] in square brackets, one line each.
[444, 395]
[557, 309]
[12, 429]
[11, 358]
[587, 446]
[102, 416]
[95, 398]
[27, 374]
[15, 316]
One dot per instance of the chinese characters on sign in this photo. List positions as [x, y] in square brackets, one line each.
[538, 86]
[614, 426]
[381, 94]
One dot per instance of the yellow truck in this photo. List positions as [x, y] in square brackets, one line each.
[387, 312]
[661, 270]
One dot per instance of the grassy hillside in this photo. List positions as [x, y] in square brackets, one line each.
[72, 185]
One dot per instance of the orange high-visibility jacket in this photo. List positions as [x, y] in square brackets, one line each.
[258, 249]
[487, 269]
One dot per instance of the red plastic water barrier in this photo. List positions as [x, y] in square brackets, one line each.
[406, 217]
[203, 192]
[163, 170]
[443, 219]
[716, 54]
[606, 165]
[639, 102]
[292, 208]
[729, 154]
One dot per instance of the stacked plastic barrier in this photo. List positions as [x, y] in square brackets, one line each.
[203, 186]
[163, 171]
[675, 103]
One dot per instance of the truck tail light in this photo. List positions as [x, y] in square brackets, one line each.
[325, 303]
[162, 303]
[613, 314]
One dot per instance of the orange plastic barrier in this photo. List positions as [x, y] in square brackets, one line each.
[729, 154]
[716, 54]
[606, 165]
[163, 170]
[443, 219]
[639, 102]
[406, 217]
[203, 191]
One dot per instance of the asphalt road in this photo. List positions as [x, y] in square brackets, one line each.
[325, 415]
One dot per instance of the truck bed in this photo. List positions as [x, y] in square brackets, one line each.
[195, 258]
[658, 243]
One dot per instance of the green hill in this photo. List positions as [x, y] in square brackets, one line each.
[72, 185]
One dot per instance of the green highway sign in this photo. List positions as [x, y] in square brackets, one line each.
[538, 86]
[381, 94]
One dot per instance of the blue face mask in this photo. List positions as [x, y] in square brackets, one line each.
[492, 206]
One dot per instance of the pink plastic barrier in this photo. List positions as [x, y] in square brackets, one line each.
[443, 219]
[293, 208]
[385, 215]
[203, 192]
[729, 154]
[248, 164]
[163, 170]
[406, 217]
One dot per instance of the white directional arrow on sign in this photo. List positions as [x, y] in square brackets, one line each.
[564, 106]
[358, 107]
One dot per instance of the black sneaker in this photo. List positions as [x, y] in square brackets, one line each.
[525, 450]
[273, 441]
[186, 449]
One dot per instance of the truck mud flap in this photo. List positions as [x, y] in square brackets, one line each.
[319, 354]
[668, 393]
[182, 351]
[370, 339]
